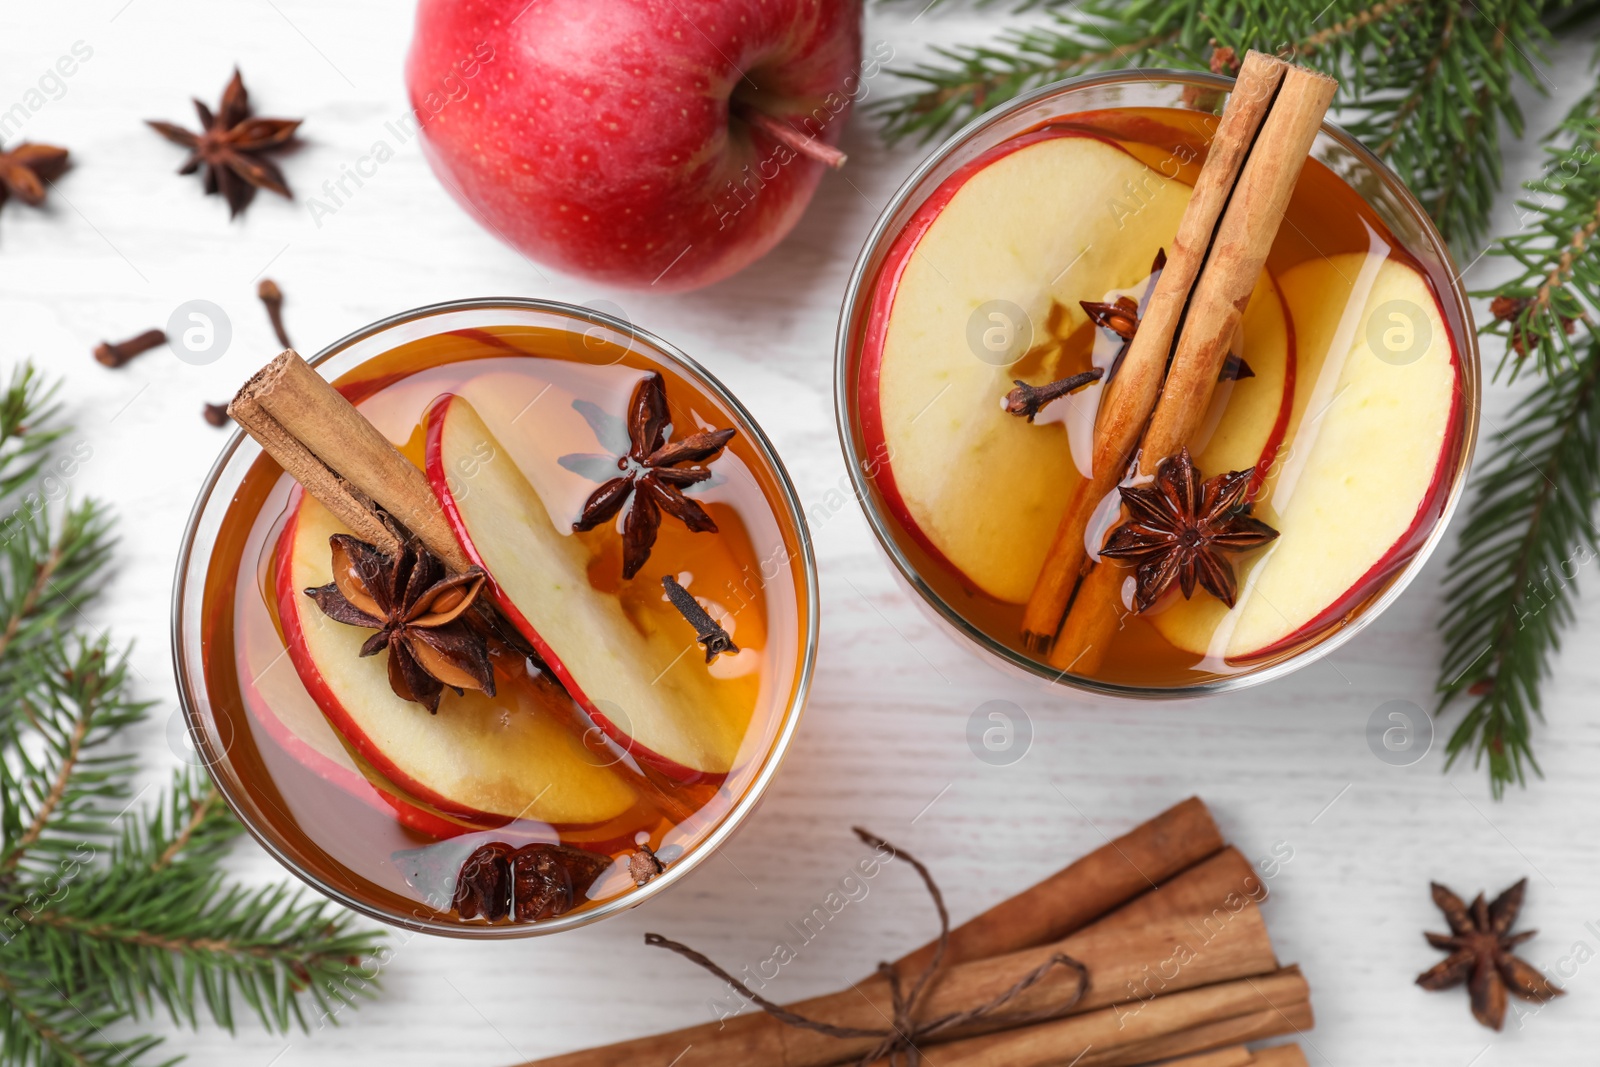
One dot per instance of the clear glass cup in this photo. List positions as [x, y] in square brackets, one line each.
[1379, 187]
[214, 550]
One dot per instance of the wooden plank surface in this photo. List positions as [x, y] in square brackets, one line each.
[1286, 767]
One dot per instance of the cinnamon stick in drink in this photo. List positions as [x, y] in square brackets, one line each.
[1131, 396]
[330, 448]
[1083, 891]
[1244, 237]
[1141, 963]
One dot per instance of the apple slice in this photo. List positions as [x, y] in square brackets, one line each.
[286, 713]
[1365, 475]
[642, 690]
[511, 757]
[1038, 224]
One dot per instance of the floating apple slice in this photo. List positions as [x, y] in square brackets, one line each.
[279, 702]
[1365, 474]
[1036, 225]
[1249, 417]
[642, 690]
[509, 757]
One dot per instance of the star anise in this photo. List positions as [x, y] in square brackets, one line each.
[230, 146]
[1180, 529]
[26, 168]
[417, 611]
[652, 477]
[1480, 943]
[535, 882]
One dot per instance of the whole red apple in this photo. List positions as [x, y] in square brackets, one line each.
[663, 143]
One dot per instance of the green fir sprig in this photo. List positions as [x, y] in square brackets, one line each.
[1530, 528]
[1426, 84]
[111, 909]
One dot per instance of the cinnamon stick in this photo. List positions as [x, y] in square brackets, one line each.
[1104, 1033]
[1269, 1022]
[1084, 890]
[325, 444]
[1126, 964]
[1235, 1056]
[1280, 1056]
[1216, 307]
[1131, 396]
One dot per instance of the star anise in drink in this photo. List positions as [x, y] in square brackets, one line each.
[418, 612]
[1480, 943]
[539, 881]
[230, 145]
[1182, 529]
[655, 472]
[25, 169]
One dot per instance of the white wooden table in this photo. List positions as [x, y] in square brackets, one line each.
[1286, 766]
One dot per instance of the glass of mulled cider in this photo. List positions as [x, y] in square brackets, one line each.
[978, 356]
[643, 577]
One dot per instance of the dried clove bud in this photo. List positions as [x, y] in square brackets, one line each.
[644, 865]
[115, 355]
[712, 637]
[1028, 400]
[216, 414]
[272, 297]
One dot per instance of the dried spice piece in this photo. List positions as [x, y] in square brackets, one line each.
[216, 414]
[1181, 528]
[230, 145]
[272, 297]
[116, 355]
[525, 884]
[25, 169]
[1120, 317]
[1028, 400]
[550, 880]
[712, 637]
[644, 865]
[1512, 309]
[653, 478]
[1234, 369]
[1480, 943]
[418, 613]
[483, 888]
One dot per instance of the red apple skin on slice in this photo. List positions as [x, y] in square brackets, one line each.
[479, 758]
[644, 692]
[280, 704]
[1043, 221]
[1365, 473]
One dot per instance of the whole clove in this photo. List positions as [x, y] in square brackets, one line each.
[117, 354]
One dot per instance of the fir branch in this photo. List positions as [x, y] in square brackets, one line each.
[1529, 530]
[106, 913]
[1510, 586]
[1428, 85]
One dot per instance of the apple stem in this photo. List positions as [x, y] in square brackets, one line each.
[785, 134]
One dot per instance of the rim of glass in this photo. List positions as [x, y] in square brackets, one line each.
[777, 750]
[844, 397]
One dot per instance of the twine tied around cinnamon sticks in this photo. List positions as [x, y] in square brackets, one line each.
[898, 1042]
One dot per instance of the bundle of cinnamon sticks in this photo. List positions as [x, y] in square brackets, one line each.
[1166, 922]
[1163, 389]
